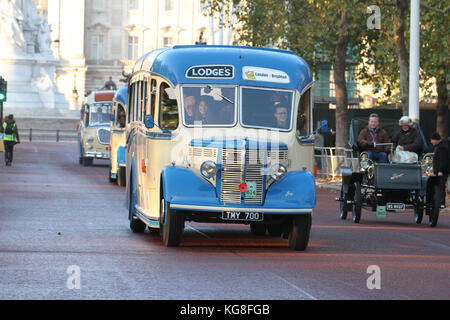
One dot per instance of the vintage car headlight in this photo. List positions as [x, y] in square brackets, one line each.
[277, 171]
[364, 161]
[427, 164]
[208, 169]
[90, 139]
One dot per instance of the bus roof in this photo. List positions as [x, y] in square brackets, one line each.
[122, 95]
[251, 66]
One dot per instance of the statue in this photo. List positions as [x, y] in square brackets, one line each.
[43, 39]
[11, 22]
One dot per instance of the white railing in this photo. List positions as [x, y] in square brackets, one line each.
[329, 161]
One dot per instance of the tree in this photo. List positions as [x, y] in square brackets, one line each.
[317, 30]
[434, 57]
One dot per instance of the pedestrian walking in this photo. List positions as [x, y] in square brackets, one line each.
[441, 163]
[10, 138]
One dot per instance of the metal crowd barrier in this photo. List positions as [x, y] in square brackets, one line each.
[57, 135]
[329, 160]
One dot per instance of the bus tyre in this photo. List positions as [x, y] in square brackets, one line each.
[111, 179]
[173, 228]
[87, 161]
[299, 235]
[121, 180]
[136, 225]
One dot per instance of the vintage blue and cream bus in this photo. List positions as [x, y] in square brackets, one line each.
[220, 134]
[93, 128]
[117, 164]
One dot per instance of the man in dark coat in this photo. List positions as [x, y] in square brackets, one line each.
[408, 138]
[372, 135]
[441, 163]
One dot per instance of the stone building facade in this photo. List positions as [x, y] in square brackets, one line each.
[98, 39]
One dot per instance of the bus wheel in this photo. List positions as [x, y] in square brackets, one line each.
[173, 226]
[121, 180]
[299, 235]
[136, 225]
[87, 161]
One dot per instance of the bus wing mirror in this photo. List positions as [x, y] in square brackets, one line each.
[149, 121]
[112, 117]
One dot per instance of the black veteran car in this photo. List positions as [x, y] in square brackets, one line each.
[392, 186]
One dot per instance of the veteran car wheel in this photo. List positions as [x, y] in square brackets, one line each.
[418, 211]
[435, 206]
[299, 235]
[357, 203]
[343, 205]
[172, 229]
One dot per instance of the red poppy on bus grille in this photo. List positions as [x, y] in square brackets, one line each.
[243, 187]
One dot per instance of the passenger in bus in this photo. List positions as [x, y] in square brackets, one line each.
[203, 109]
[189, 103]
[121, 118]
[281, 116]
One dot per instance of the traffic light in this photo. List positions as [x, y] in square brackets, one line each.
[3, 89]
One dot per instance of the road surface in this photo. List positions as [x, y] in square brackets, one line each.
[64, 234]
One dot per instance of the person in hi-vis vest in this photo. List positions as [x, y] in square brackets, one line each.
[10, 137]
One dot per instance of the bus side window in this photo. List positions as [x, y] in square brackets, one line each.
[138, 110]
[168, 112]
[152, 97]
[130, 103]
[303, 114]
[144, 99]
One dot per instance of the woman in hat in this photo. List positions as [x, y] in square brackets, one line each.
[408, 138]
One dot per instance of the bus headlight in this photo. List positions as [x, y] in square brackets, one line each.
[208, 169]
[90, 139]
[277, 171]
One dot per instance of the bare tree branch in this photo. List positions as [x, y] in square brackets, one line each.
[427, 6]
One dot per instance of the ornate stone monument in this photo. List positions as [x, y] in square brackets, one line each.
[27, 62]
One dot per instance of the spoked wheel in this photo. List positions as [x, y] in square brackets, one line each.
[357, 202]
[418, 210]
[343, 208]
[136, 225]
[435, 206]
[173, 225]
[299, 235]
